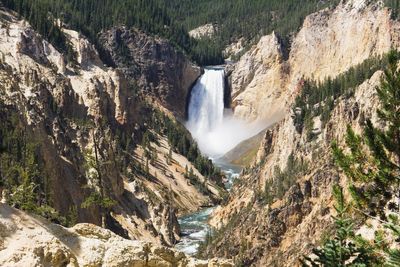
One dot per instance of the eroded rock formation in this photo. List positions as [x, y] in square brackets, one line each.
[330, 41]
[156, 66]
[32, 241]
[83, 111]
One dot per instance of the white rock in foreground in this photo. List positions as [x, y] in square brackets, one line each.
[27, 240]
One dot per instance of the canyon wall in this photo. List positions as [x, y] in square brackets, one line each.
[279, 233]
[253, 228]
[156, 66]
[266, 78]
[81, 111]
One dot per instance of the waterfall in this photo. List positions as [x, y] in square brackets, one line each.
[214, 128]
[206, 107]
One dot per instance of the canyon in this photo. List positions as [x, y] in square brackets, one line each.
[111, 124]
[84, 112]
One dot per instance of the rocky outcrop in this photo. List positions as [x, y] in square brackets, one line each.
[258, 80]
[233, 50]
[207, 30]
[158, 68]
[31, 241]
[341, 38]
[329, 43]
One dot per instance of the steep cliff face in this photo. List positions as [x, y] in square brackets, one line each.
[281, 206]
[32, 241]
[157, 67]
[276, 232]
[258, 80]
[329, 42]
[89, 122]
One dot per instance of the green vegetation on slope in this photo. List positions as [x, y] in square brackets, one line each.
[317, 98]
[181, 141]
[344, 248]
[37, 13]
[173, 19]
[92, 16]
[247, 19]
[372, 163]
[245, 152]
[22, 180]
[283, 179]
[395, 6]
[169, 19]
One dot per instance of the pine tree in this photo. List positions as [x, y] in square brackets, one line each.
[393, 255]
[372, 164]
[343, 249]
[169, 157]
[98, 197]
[373, 160]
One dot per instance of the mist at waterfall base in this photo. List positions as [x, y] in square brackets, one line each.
[216, 132]
[213, 126]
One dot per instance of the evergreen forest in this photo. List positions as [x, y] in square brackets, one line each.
[169, 19]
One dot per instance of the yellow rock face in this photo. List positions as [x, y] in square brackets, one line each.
[330, 42]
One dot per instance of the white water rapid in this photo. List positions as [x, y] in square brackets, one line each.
[214, 128]
[194, 226]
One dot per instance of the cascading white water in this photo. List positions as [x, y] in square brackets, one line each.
[206, 107]
[216, 132]
[214, 129]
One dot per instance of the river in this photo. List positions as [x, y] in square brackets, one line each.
[194, 227]
[216, 131]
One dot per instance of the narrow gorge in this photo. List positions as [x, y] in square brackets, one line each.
[208, 119]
